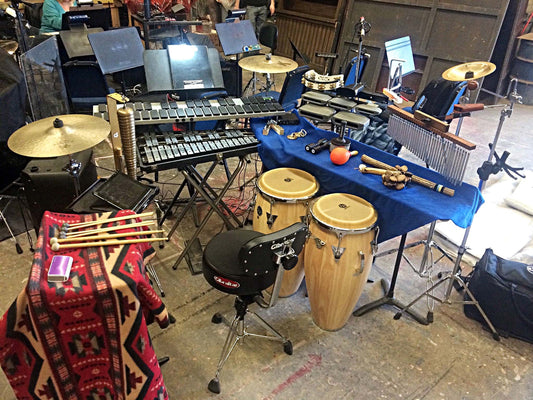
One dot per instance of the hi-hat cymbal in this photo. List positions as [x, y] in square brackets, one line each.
[469, 71]
[58, 136]
[9, 45]
[268, 64]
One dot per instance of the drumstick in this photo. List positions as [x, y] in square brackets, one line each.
[103, 237]
[58, 246]
[80, 225]
[421, 181]
[109, 228]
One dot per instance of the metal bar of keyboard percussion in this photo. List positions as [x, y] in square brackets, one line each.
[168, 150]
[201, 110]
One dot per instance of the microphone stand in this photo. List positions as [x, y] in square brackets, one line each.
[484, 172]
[20, 29]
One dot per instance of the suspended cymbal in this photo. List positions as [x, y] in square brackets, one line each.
[469, 71]
[268, 65]
[59, 136]
[9, 45]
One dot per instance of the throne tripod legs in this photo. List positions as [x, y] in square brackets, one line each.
[237, 331]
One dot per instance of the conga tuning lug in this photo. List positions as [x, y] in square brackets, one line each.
[338, 252]
[271, 218]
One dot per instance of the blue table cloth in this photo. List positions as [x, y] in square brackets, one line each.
[399, 211]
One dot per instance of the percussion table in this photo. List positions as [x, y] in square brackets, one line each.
[399, 212]
[86, 337]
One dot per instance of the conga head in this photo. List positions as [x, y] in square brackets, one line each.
[344, 211]
[287, 183]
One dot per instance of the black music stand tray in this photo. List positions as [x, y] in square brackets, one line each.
[388, 298]
[213, 199]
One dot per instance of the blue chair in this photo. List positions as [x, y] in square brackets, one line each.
[292, 89]
[349, 71]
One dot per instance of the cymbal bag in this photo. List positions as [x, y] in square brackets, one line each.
[504, 290]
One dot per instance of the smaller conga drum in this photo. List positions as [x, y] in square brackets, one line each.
[338, 256]
[283, 196]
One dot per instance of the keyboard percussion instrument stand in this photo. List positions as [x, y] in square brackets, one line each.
[214, 200]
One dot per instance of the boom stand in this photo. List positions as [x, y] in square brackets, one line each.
[484, 173]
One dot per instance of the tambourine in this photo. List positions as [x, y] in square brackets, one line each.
[316, 81]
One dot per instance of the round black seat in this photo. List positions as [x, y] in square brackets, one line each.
[223, 269]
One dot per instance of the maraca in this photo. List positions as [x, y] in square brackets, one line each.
[339, 155]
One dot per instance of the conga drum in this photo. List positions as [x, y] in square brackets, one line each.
[283, 196]
[338, 256]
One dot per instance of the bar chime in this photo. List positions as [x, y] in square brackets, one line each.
[428, 139]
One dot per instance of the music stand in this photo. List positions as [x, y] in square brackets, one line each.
[183, 69]
[401, 62]
[237, 38]
[117, 50]
[77, 43]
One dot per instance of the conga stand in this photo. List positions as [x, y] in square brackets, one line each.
[484, 172]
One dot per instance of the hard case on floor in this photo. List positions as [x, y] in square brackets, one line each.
[504, 290]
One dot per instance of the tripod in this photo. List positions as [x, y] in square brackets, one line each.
[484, 172]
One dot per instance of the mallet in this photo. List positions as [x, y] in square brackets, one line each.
[109, 228]
[80, 225]
[59, 246]
[103, 237]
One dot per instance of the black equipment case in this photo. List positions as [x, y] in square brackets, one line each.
[504, 290]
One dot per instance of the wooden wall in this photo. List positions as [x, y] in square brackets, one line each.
[443, 33]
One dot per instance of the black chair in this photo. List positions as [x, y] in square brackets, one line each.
[268, 36]
[86, 85]
[292, 89]
[244, 263]
[438, 98]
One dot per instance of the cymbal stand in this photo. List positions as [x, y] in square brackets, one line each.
[484, 172]
[74, 168]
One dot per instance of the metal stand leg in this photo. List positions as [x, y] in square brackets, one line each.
[453, 276]
[389, 299]
[151, 271]
[214, 201]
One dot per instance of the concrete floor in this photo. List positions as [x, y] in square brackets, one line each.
[372, 357]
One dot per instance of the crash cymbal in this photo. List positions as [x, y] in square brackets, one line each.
[268, 64]
[58, 136]
[469, 71]
[9, 45]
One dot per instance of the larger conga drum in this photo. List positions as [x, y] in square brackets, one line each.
[338, 256]
[283, 196]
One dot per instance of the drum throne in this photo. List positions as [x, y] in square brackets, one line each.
[244, 263]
